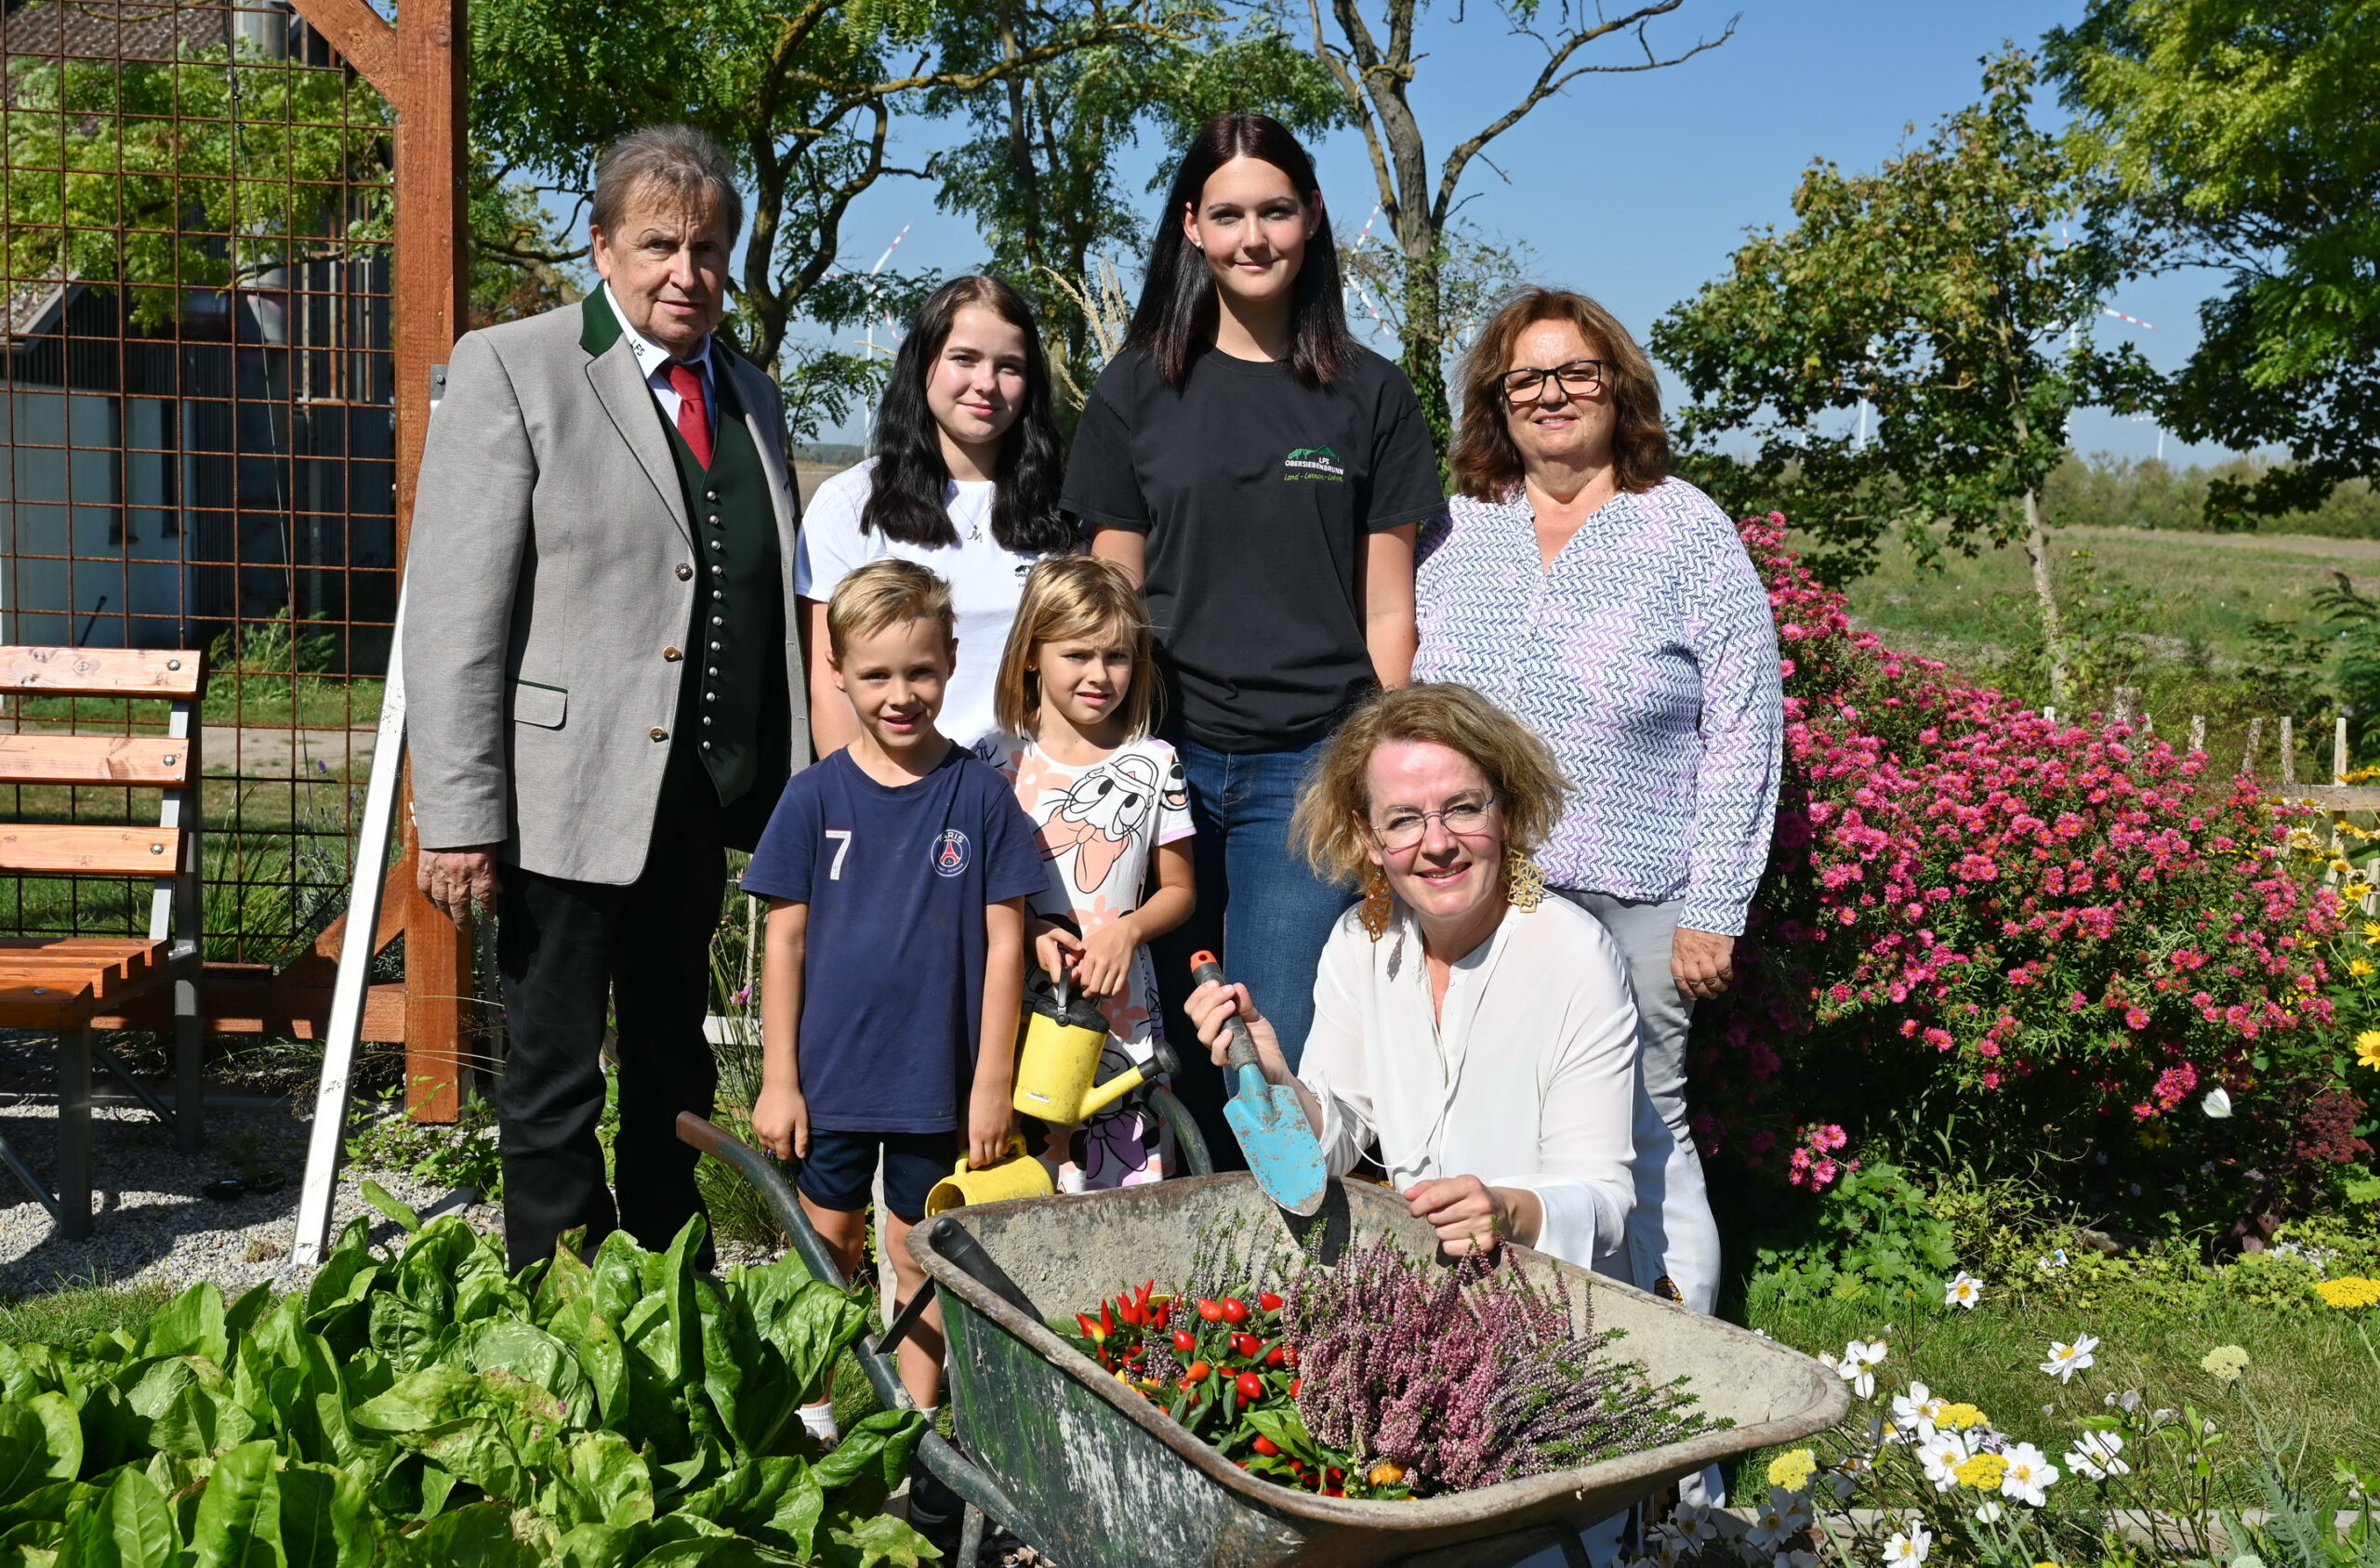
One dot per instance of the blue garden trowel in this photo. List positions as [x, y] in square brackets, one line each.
[1267, 1119]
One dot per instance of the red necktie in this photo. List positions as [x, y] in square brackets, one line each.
[693, 414]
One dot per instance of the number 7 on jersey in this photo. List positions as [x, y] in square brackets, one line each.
[842, 836]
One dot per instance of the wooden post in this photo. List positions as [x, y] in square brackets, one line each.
[2338, 750]
[2288, 752]
[2248, 752]
[2198, 732]
[2125, 697]
[432, 297]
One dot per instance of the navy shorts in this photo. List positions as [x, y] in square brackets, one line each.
[840, 1172]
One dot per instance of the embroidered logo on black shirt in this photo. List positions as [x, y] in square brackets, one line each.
[1318, 463]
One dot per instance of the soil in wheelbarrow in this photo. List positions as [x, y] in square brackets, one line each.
[1088, 1471]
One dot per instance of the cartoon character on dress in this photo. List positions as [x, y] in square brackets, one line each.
[1099, 816]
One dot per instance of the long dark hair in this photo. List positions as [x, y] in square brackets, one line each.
[1177, 317]
[906, 500]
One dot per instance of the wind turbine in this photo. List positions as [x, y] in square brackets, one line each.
[868, 431]
[1355, 283]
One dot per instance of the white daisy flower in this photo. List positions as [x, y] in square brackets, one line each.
[2065, 1360]
[2030, 1474]
[1942, 1453]
[1908, 1551]
[1964, 1291]
[2094, 1456]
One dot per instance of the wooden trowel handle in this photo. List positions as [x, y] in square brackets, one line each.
[1241, 1052]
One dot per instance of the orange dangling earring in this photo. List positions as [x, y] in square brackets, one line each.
[1378, 906]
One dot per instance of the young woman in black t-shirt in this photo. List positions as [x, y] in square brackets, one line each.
[1263, 475]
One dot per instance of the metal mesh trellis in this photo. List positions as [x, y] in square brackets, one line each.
[197, 441]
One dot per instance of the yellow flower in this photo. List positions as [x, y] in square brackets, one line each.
[2350, 1292]
[2372, 932]
[1792, 1471]
[2358, 967]
[2367, 1049]
[1959, 1417]
[1984, 1472]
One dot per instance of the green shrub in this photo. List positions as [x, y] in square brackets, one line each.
[1874, 1236]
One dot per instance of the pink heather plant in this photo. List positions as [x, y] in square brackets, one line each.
[2056, 932]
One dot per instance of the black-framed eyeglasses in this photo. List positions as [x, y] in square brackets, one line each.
[1404, 827]
[1578, 378]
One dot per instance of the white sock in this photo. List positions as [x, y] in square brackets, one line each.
[820, 1419]
[928, 1412]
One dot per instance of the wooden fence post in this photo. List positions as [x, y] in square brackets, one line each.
[2248, 752]
[2198, 732]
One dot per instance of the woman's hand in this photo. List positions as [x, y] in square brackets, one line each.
[1212, 1007]
[781, 1121]
[1702, 962]
[1473, 1217]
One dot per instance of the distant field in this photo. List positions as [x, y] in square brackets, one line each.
[2209, 588]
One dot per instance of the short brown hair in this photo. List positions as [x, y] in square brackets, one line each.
[1486, 465]
[885, 593]
[677, 164]
[1072, 596]
[1335, 807]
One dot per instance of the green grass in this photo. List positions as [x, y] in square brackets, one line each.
[2314, 1379]
[78, 1311]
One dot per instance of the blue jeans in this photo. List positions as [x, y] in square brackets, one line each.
[1261, 908]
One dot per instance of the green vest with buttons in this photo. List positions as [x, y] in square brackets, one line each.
[735, 643]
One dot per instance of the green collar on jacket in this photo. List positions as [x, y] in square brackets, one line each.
[599, 325]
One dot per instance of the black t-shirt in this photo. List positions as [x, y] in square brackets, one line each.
[1256, 492]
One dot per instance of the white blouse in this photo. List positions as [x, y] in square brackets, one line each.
[1530, 1081]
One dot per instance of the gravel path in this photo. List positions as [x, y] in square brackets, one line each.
[152, 1222]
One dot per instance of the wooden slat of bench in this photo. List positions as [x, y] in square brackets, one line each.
[44, 1002]
[60, 849]
[93, 759]
[117, 969]
[100, 672]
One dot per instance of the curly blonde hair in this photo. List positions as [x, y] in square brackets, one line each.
[1335, 807]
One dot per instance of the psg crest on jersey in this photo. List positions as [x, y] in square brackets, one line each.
[950, 852]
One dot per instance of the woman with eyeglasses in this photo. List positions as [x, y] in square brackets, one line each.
[1481, 1033]
[1611, 607]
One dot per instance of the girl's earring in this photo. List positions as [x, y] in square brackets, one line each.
[1378, 906]
[1523, 883]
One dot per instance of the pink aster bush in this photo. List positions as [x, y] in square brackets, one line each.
[2027, 937]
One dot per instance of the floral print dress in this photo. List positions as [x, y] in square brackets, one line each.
[1098, 825]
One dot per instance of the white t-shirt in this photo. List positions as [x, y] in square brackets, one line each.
[986, 582]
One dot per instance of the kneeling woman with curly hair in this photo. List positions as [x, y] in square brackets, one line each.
[1481, 1032]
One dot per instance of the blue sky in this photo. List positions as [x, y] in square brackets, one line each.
[1636, 188]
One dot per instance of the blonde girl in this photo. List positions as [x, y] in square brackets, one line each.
[1076, 686]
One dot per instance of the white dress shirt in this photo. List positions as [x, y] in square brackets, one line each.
[653, 359]
[1528, 1079]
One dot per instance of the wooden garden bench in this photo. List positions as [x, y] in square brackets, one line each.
[61, 983]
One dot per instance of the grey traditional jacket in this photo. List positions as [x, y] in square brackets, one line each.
[551, 578]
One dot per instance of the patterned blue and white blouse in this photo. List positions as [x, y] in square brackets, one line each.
[1647, 657]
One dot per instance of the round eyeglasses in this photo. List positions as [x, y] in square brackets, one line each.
[1465, 818]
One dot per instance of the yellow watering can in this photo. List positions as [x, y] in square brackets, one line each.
[1018, 1175]
[1055, 1065]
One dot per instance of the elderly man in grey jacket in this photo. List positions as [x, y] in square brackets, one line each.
[604, 681]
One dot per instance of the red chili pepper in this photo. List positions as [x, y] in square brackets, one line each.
[1130, 1310]
[1090, 1330]
[1211, 1311]
[1269, 1302]
[1134, 1352]
[1246, 1345]
[1184, 1341]
[1197, 1372]
[1234, 1310]
[1141, 1297]
[1250, 1386]
[1161, 1314]
[1106, 1319]
[1334, 1475]
[1275, 1356]
[1266, 1446]
[1295, 1384]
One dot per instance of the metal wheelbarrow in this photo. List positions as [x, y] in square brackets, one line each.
[1089, 1473]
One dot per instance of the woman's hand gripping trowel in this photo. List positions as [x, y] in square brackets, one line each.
[1267, 1119]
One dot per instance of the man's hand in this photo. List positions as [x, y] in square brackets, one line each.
[452, 879]
[991, 1122]
[781, 1121]
[1702, 962]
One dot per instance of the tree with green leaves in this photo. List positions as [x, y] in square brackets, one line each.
[1038, 173]
[803, 96]
[2246, 133]
[1953, 292]
[1374, 55]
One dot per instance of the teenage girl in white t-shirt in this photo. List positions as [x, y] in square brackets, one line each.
[1078, 683]
[963, 480]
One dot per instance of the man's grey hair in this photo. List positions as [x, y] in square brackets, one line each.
[673, 162]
